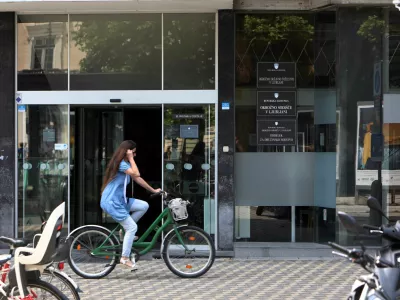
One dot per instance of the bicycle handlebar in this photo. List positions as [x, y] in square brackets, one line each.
[156, 194]
[165, 194]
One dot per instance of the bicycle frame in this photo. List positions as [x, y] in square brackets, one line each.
[4, 269]
[146, 246]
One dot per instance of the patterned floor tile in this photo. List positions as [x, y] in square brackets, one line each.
[228, 279]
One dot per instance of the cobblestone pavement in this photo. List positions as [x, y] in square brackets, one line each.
[228, 279]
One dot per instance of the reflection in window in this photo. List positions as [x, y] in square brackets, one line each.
[187, 158]
[360, 28]
[115, 52]
[263, 223]
[305, 131]
[394, 49]
[42, 52]
[246, 137]
[42, 164]
[189, 51]
[307, 39]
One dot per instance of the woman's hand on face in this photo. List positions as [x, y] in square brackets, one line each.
[157, 191]
[129, 154]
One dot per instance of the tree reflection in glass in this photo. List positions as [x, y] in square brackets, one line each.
[116, 52]
[189, 51]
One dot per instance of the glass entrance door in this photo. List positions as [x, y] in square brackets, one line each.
[95, 134]
[42, 164]
[63, 152]
[189, 159]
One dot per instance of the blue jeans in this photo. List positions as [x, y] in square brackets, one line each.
[138, 208]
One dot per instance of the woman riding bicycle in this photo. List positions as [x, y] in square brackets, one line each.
[126, 211]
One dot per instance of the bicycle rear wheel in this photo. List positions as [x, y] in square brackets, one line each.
[196, 260]
[81, 259]
[38, 290]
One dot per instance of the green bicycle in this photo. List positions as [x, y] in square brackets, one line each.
[188, 251]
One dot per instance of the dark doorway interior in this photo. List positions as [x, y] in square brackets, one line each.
[95, 134]
[143, 125]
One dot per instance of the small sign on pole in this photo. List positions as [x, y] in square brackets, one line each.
[377, 79]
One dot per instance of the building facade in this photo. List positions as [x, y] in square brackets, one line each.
[270, 116]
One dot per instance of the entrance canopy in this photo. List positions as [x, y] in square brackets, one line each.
[100, 6]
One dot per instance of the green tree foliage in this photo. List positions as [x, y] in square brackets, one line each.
[189, 46]
[372, 29]
[277, 28]
[133, 45]
[275, 37]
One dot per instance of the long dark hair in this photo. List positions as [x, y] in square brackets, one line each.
[115, 160]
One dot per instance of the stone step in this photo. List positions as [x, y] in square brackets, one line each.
[248, 250]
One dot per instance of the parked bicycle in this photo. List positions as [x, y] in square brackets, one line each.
[30, 262]
[53, 273]
[188, 251]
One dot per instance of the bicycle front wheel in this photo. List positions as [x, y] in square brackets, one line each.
[194, 257]
[38, 290]
[81, 259]
[60, 282]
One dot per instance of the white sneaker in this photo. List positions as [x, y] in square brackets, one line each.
[126, 262]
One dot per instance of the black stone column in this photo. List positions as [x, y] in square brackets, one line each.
[359, 47]
[7, 124]
[226, 129]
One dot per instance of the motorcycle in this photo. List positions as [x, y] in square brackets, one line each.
[384, 268]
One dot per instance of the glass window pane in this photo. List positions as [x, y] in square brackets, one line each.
[42, 52]
[42, 164]
[246, 129]
[263, 223]
[115, 52]
[394, 53]
[306, 39]
[189, 51]
[305, 223]
[189, 160]
[38, 59]
[359, 49]
[282, 127]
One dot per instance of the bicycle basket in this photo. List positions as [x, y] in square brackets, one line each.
[178, 209]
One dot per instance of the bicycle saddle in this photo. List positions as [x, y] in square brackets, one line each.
[13, 242]
[4, 258]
